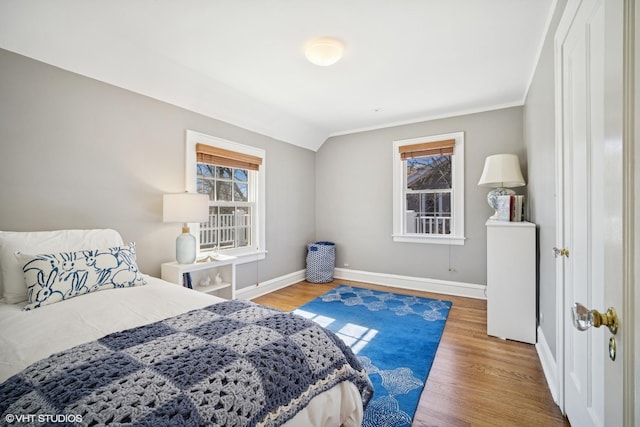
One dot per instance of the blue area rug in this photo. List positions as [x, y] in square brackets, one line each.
[394, 336]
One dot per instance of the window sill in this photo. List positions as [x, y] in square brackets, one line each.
[432, 240]
[243, 256]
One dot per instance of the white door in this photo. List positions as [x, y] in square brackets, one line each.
[590, 205]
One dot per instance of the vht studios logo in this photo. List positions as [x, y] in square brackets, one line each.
[42, 418]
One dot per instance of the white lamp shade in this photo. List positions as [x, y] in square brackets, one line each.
[324, 51]
[185, 207]
[502, 170]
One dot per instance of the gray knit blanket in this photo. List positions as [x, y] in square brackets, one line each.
[235, 363]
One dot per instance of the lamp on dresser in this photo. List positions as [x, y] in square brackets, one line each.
[185, 208]
[501, 171]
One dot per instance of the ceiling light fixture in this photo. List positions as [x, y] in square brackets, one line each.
[324, 51]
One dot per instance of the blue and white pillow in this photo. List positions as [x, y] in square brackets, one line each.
[52, 278]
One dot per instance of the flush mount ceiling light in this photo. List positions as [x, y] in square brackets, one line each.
[324, 51]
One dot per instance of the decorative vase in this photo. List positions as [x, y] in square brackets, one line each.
[186, 247]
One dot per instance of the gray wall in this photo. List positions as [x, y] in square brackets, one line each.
[78, 153]
[354, 197]
[539, 125]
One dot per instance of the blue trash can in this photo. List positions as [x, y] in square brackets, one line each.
[321, 261]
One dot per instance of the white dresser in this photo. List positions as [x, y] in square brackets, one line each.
[511, 280]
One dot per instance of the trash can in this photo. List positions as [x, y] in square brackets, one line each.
[321, 261]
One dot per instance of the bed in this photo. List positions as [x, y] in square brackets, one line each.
[87, 339]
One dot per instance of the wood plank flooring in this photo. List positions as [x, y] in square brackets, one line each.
[475, 380]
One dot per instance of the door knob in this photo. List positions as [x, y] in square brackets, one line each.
[583, 318]
[560, 252]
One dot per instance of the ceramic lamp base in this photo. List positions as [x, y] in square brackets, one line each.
[186, 248]
[492, 198]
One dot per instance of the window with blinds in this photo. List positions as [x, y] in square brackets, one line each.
[428, 175]
[428, 186]
[228, 178]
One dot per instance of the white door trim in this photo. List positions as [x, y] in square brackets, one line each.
[561, 33]
[636, 260]
[631, 215]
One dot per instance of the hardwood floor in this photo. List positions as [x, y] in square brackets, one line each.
[475, 380]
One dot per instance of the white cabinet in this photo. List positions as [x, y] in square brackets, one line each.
[203, 275]
[511, 280]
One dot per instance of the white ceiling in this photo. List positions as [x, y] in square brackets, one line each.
[242, 61]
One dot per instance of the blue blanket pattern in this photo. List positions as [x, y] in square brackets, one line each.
[235, 363]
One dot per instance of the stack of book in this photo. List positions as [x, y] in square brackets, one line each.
[510, 208]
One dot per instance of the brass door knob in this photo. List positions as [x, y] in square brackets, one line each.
[560, 252]
[583, 318]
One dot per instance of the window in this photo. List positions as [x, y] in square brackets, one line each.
[232, 175]
[428, 175]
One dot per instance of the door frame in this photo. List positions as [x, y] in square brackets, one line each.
[632, 291]
[631, 210]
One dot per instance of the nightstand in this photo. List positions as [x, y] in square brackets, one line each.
[205, 272]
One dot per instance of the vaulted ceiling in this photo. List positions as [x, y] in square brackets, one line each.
[242, 61]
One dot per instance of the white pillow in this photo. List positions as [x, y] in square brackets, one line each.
[39, 242]
[56, 277]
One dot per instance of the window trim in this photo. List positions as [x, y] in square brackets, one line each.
[457, 190]
[258, 246]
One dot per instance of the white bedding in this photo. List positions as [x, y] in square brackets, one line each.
[28, 336]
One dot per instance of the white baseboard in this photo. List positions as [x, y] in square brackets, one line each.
[263, 288]
[549, 366]
[469, 290]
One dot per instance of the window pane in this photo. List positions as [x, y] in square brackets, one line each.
[413, 202]
[223, 191]
[241, 192]
[205, 170]
[208, 234]
[223, 172]
[243, 226]
[428, 213]
[228, 227]
[429, 173]
[240, 174]
[206, 186]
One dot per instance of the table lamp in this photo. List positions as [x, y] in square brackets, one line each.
[185, 208]
[500, 171]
